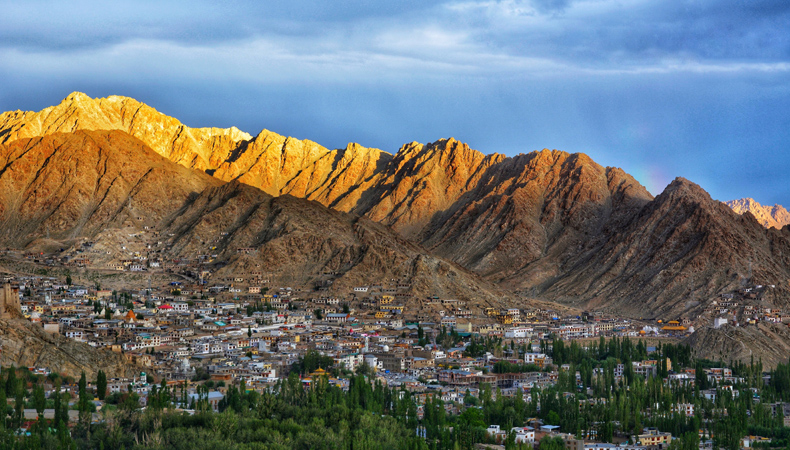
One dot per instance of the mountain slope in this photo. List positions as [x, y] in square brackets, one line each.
[273, 163]
[769, 216]
[302, 243]
[766, 342]
[529, 213]
[66, 185]
[199, 148]
[679, 250]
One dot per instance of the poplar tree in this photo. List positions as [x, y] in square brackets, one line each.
[83, 404]
[101, 385]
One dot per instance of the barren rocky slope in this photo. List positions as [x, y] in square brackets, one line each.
[527, 215]
[273, 163]
[66, 185]
[769, 216]
[27, 345]
[201, 148]
[767, 342]
[302, 243]
[678, 250]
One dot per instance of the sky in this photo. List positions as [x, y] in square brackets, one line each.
[691, 88]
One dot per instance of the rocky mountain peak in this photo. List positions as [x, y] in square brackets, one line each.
[192, 147]
[76, 97]
[769, 216]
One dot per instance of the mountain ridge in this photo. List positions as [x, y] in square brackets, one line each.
[547, 223]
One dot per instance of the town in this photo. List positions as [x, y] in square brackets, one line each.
[204, 335]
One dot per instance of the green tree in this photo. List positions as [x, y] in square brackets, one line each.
[40, 403]
[11, 382]
[61, 418]
[3, 409]
[19, 405]
[101, 385]
[83, 403]
[552, 443]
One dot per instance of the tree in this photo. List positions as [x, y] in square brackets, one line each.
[552, 443]
[83, 403]
[3, 409]
[101, 385]
[365, 369]
[249, 331]
[61, 419]
[19, 405]
[11, 382]
[39, 402]
[68, 279]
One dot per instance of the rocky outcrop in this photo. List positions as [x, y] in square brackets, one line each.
[27, 345]
[769, 216]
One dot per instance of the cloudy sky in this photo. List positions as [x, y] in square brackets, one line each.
[692, 88]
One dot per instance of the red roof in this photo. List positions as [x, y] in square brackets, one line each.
[165, 307]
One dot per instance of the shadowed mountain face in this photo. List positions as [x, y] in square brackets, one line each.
[679, 249]
[298, 241]
[547, 223]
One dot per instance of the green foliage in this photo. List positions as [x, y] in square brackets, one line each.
[552, 443]
[479, 346]
[311, 361]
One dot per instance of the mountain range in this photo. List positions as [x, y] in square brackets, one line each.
[449, 219]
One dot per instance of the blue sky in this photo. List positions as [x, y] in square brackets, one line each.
[699, 89]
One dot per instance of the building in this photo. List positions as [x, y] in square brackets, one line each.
[653, 437]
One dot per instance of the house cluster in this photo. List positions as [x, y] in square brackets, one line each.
[747, 306]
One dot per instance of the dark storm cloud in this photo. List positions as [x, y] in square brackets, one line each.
[602, 33]
[44, 25]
